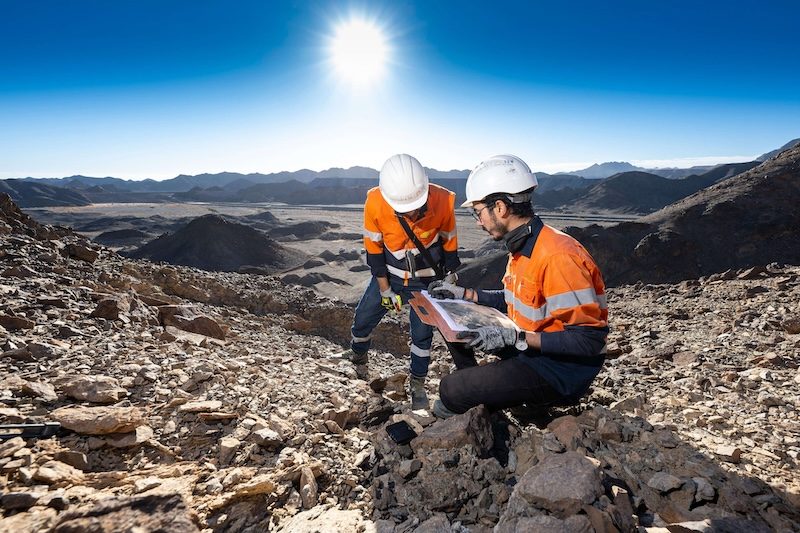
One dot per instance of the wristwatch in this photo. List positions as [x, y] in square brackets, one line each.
[522, 343]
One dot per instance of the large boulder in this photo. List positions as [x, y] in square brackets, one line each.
[472, 428]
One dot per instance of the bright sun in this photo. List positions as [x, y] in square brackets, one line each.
[359, 52]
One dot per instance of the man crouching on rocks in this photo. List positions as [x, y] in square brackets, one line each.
[552, 290]
[410, 238]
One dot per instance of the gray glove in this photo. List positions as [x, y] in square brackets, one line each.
[490, 339]
[391, 301]
[442, 289]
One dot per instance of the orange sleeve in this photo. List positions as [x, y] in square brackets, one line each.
[373, 238]
[570, 292]
[448, 230]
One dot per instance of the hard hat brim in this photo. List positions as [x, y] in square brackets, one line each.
[408, 206]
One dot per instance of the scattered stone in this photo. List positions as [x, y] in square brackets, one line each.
[471, 428]
[684, 358]
[267, 438]
[409, 467]
[78, 251]
[705, 491]
[99, 420]
[567, 431]
[11, 446]
[138, 436]
[308, 488]
[560, 483]
[75, 459]
[325, 518]
[228, 447]
[54, 472]
[36, 389]
[731, 454]
[145, 484]
[664, 482]
[200, 406]
[110, 309]
[96, 389]
[632, 404]
[13, 323]
[791, 326]
[19, 501]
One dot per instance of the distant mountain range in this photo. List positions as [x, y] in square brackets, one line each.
[611, 186]
[605, 170]
[642, 192]
[37, 194]
[749, 219]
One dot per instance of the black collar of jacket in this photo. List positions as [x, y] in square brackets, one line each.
[523, 238]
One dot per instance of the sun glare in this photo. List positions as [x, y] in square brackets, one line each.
[359, 52]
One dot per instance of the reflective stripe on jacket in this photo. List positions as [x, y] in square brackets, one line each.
[388, 245]
[553, 283]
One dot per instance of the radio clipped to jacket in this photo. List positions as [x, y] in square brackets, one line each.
[415, 263]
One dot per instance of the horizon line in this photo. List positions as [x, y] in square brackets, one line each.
[549, 168]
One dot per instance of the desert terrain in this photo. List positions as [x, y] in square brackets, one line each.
[194, 399]
[206, 401]
[349, 273]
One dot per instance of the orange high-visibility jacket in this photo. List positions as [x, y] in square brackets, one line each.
[555, 284]
[389, 249]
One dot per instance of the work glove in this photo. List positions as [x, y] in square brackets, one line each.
[390, 300]
[490, 339]
[446, 289]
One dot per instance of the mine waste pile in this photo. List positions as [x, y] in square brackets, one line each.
[197, 401]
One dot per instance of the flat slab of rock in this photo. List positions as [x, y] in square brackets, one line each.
[200, 406]
[54, 472]
[323, 518]
[96, 389]
[573, 524]
[143, 513]
[99, 420]
[12, 323]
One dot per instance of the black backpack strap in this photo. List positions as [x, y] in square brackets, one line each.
[421, 247]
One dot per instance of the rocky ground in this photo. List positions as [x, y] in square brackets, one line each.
[206, 401]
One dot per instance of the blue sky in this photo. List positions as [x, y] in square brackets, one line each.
[155, 88]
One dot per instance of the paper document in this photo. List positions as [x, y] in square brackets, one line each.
[460, 315]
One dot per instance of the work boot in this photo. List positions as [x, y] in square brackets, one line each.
[362, 372]
[441, 411]
[419, 397]
[352, 356]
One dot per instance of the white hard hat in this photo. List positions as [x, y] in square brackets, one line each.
[403, 183]
[499, 173]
